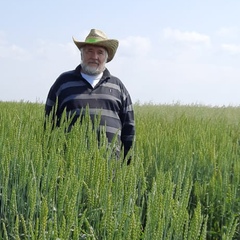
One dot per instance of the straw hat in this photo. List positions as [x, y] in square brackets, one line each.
[98, 38]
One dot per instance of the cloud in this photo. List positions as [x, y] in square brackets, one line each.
[2, 38]
[135, 46]
[11, 51]
[191, 74]
[186, 36]
[38, 65]
[185, 46]
[231, 48]
[49, 50]
[229, 32]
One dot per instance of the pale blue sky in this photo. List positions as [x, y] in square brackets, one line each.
[170, 51]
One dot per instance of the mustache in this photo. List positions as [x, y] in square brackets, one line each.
[94, 61]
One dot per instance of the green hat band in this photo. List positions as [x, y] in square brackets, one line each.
[92, 40]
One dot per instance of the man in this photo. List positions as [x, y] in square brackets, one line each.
[92, 86]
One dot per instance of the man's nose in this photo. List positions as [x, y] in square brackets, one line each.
[94, 55]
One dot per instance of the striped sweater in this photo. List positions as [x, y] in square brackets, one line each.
[109, 98]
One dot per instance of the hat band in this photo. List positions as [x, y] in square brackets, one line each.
[92, 40]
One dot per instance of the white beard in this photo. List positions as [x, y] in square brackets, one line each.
[91, 70]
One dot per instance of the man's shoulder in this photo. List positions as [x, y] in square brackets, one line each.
[64, 77]
[117, 81]
[114, 79]
[71, 73]
[67, 74]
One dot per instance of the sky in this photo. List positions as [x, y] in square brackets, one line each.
[176, 51]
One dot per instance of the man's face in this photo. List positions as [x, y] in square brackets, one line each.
[93, 59]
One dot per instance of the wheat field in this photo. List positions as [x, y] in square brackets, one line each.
[183, 181]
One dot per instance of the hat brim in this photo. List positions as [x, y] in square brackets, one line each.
[110, 45]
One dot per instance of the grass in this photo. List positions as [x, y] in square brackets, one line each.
[183, 182]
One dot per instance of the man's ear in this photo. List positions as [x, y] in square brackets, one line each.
[81, 55]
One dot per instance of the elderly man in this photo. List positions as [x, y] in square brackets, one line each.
[92, 86]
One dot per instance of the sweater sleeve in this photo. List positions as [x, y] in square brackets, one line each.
[50, 105]
[128, 124]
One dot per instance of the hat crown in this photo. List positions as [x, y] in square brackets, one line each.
[95, 36]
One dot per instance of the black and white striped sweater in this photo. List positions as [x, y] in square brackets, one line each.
[109, 98]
